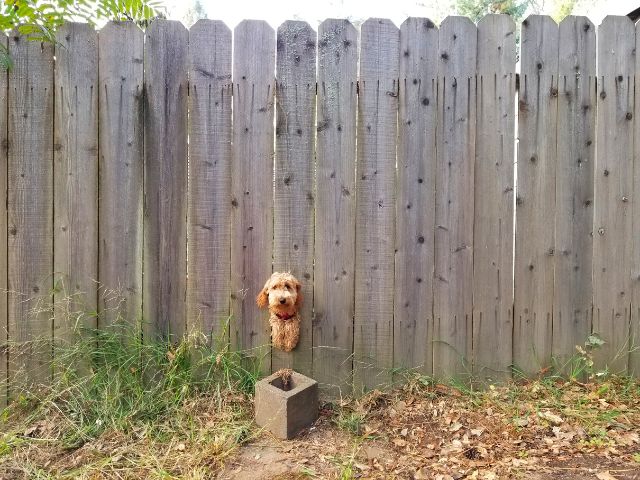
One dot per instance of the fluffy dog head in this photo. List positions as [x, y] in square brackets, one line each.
[281, 292]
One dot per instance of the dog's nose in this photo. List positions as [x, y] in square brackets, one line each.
[283, 301]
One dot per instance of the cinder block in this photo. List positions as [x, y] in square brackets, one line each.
[285, 413]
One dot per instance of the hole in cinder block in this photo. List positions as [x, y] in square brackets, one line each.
[279, 383]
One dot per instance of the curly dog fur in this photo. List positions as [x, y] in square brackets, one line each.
[282, 295]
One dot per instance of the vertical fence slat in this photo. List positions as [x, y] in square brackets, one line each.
[375, 205]
[75, 189]
[121, 129]
[30, 208]
[415, 204]
[535, 194]
[165, 180]
[252, 186]
[4, 143]
[209, 189]
[574, 187]
[612, 235]
[294, 171]
[335, 206]
[453, 283]
[493, 225]
[634, 357]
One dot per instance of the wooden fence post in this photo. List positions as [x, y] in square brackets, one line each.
[252, 187]
[493, 190]
[294, 202]
[165, 174]
[612, 236]
[335, 206]
[210, 127]
[535, 195]
[453, 282]
[573, 294]
[415, 203]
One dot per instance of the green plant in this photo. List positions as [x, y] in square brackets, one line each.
[39, 20]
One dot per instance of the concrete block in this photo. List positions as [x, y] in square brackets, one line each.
[285, 412]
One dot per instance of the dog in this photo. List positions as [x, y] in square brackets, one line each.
[282, 295]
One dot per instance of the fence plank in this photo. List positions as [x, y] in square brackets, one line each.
[252, 186]
[535, 191]
[453, 284]
[634, 357]
[574, 187]
[375, 208]
[75, 189]
[612, 236]
[493, 225]
[335, 206]
[4, 144]
[121, 123]
[209, 235]
[165, 174]
[415, 204]
[30, 208]
[294, 171]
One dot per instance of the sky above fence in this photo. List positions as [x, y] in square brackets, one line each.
[314, 12]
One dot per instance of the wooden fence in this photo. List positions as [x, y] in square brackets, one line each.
[168, 173]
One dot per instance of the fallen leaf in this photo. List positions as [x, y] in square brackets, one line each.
[550, 417]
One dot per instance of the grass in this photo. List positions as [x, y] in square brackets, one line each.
[148, 394]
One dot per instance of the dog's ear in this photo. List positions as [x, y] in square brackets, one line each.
[263, 297]
[298, 294]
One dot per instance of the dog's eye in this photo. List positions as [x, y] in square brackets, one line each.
[287, 286]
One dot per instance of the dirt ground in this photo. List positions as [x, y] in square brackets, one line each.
[538, 431]
[444, 436]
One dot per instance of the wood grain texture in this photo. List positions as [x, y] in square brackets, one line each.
[535, 195]
[612, 244]
[30, 209]
[294, 203]
[209, 235]
[4, 144]
[334, 271]
[634, 355]
[375, 206]
[493, 189]
[415, 204]
[165, 174]
[75, 187]
[453, 283]
[574, 187]
[121, 129]
[252, 187]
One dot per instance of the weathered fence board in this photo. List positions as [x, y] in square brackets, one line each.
[375, 206]
[30, 209]
[535, 194]
[493, 189]
[4, 144]
[453, 282]
[574, 187]
[252, 186]
[209, 191]
[335, 206]
[294, 173]
[121, 129]
[75, 188]
[165, 176]
[415, 204]
[612, 244]
[634, 357]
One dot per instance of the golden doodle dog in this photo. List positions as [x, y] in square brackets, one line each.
[282, 295]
